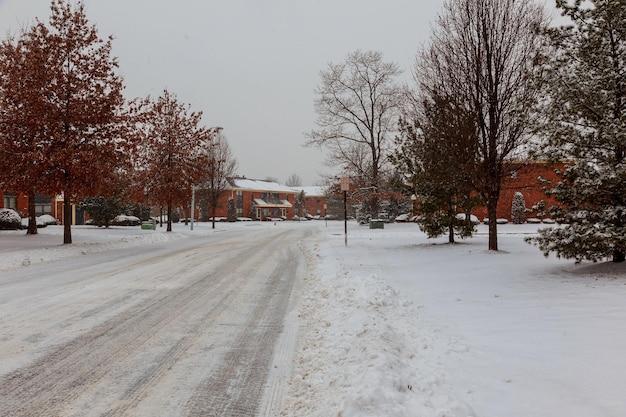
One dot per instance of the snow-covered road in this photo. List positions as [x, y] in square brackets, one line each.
[190, 329]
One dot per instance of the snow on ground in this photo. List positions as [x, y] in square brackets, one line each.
[400, 325]
[395, 324]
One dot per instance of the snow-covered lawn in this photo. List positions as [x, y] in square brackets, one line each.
[398, 325]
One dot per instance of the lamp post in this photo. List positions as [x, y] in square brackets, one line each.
[345, 186]
[193, 203]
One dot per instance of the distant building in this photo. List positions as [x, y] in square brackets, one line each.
[53, 206]
[258, 199]
[524, 178]
[314, 203]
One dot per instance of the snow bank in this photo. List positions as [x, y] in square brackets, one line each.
[364, 350]
[18, 249]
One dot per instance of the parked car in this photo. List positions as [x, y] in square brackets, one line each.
[38, 220]
[402, 218]
[48, 219]
[123, 220]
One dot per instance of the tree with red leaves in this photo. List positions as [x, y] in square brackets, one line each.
[22, 61]
[66, 106]
[169, 159]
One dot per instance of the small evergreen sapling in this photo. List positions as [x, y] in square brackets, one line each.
[232, 211]
[518, 209]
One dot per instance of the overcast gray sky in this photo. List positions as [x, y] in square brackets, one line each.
[250, 66]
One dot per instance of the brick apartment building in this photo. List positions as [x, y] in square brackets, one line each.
[523, 178]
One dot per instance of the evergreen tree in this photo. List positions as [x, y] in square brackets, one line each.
[518, 209]
[103, 210]
[252, 213]
[480, 56]
[585, 110]
[435, 153]
[232, 211]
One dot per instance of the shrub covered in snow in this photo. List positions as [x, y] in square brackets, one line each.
[9, 220]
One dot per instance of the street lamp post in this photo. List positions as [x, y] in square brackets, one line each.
[345, 186]
[193, 204]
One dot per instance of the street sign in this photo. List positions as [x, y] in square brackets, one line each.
[345, 184]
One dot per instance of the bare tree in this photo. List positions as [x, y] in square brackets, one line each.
[221, 167]
[357, 105]
[482, 53]
[294, 180]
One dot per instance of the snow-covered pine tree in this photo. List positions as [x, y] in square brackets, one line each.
[518, 209]
[586, 128]
[252, 213]
[232, 211]
[103, 210]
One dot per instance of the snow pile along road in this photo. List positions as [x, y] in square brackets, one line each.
[18, 250]
[364, 349]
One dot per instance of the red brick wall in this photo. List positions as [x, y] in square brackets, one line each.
[523, 179]
[314, 205]
[248, 196]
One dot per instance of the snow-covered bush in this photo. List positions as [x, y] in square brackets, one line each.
[518, 209]
[9, 220]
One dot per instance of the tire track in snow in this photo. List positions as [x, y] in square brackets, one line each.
[235, 388]
[54, 381]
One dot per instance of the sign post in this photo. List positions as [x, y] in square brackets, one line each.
[345, 186]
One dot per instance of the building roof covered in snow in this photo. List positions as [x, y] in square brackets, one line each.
[311, 191]
[260, 185]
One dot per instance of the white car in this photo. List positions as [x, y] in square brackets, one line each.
[402, 218]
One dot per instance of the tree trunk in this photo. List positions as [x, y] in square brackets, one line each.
[169, 217]
[67, 220]
[492, 205]
[213, 220]
[32, 216]
[451, 213]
